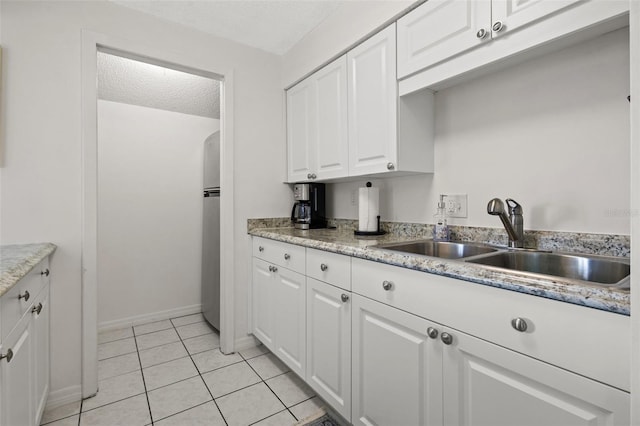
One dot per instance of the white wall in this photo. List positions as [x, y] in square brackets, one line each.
[149, 211]
[551, 133]
[41, 177]
[347, 25]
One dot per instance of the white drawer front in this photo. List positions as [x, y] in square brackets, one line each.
[584, 340]
[329, 267]
[287, 255]
[15, 302]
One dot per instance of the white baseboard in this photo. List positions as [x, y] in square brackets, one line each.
[145, 318]
[247, 342]
[64, 396]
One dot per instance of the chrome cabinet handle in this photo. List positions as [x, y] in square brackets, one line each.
[324, 267]
[8, 355]
[432, 332]
[446, 338]
[24, 296]
[313, 176]
[498, 26]
[482, 33]
[308, 175]
[286, 256]
[275, 269]
[344, 297]
[519, 324]
[37, 309]
[387, 285]
[260, 249]
[45, 272]
[390, 166]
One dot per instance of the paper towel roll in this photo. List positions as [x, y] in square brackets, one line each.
[368, 209]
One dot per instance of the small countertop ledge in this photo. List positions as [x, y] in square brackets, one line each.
[17, 260]
[607, 299]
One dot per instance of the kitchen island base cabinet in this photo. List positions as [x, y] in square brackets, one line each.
[329, 344]
[485, 384]
[279, 312]
[397, 368]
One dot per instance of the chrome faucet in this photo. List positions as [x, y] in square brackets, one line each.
[513, 223]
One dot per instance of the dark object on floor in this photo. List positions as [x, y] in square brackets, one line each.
[325, 420]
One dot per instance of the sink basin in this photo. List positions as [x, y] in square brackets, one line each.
[442, 249]
[591, 269]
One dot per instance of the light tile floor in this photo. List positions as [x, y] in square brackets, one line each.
[172, 373]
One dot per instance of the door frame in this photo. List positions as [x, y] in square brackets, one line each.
[92, 43]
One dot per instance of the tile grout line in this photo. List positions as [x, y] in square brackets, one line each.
[144, 382]
[200, 374]
[272, 391]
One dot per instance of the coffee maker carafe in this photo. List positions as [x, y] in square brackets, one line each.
[308, 209]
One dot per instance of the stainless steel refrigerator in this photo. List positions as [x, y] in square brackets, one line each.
[211, 232]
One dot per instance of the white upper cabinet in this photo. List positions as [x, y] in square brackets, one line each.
[300, 130]
[440, 29]
[441, 42]
[372, 105]
[509, 15]
[317, 125]
[347, 120]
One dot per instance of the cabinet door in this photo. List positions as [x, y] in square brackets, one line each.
[397, 369]
[329, 344]
[16, 376]
[440, 29]
[331, 148]
[300, 131]
[513, 14]
[289, 307]
[372, 107]
[485, 384]
[41, 350]
[262, 300]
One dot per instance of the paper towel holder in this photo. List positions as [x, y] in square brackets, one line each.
[370, 233]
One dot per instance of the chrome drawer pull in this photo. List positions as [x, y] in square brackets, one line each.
[37, 309]
[324, 267]
[45, 272]
[24, 296]
[8, 355]
[519, 324]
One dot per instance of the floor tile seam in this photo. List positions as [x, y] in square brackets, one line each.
[219, 368]
[156, 346]
[202, 378]
[151, 332]
[58, 419]
[182, 411]
[252, 357]
[113, 402]
[164, 362]
[115, 356]
[274, 414]
[281, 401]
[80, 413]
[115, 340]
[118, 375]
[192, 337]
[144, 383]
[301, 402]
[237, 390]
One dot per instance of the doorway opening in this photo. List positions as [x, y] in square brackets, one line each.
[144, 129]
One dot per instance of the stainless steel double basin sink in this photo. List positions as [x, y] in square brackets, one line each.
[595, 270]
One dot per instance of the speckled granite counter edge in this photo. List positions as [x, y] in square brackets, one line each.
[607, 299]
[18, 259]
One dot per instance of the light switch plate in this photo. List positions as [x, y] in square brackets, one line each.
[456, 205]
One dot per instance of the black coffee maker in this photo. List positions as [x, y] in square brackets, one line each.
[308, 209]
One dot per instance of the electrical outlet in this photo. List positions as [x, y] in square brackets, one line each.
[456, 205]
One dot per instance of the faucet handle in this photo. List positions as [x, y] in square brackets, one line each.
[514, 207]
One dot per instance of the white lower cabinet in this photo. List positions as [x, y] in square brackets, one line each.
[24, 349]
[279, 312]
[384, 345]
[485, 384]
[329, 344]
[397, 369]
[17, 407]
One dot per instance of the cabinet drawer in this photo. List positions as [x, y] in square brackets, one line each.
[587, 341]
[14, 304]
[329, 267]
[287, 255]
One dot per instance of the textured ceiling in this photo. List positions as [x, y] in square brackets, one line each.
[271, 25]
[138, 83]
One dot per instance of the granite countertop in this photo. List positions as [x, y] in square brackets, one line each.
[344, 242]
[18, 259]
